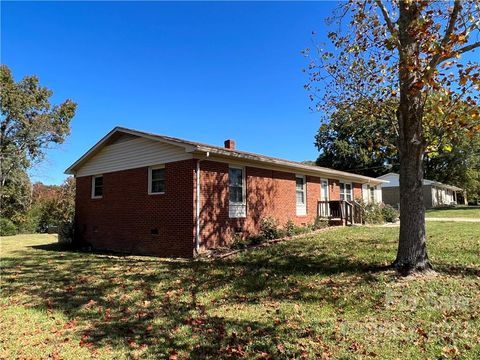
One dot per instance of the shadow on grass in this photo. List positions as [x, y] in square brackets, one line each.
[135, 303]
[450, 208]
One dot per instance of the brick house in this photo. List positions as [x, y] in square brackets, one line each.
[149, 194]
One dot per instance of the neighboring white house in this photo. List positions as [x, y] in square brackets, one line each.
[434, 193]
[371, 194]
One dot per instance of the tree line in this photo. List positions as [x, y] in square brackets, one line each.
[36, 208]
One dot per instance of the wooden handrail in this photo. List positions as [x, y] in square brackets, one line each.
[350, 211]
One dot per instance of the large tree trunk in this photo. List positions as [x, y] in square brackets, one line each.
[412, 247]
[412, 250]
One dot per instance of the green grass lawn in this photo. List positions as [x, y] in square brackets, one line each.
[472, 212]
[319, 296]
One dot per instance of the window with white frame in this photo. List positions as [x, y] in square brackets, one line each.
[97, 186]
[236, 188]
[300, 193]
[346, 191]
[156, 180]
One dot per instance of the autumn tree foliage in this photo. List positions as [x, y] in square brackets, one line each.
[53, 205]
[407, 51]
[366, 143]
[29, 123]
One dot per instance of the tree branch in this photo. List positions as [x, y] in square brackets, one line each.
[467, 48]
[460, 51]
[390, 25]
[437, 58]
[451, 23]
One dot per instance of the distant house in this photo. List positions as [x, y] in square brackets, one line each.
[144, 193]
[434, 193]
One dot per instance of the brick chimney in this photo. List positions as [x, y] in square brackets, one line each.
[230, 144]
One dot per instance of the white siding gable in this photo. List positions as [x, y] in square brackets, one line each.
[131, 154]
[393, 178]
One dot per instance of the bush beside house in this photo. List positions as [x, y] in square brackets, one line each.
[271, 230]
[375, 213]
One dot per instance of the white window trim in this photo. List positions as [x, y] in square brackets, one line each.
[322, 180]
[351, 189]
[93, 187]
[301, 209]
[324, 210]
[238, 209]
[150, 192]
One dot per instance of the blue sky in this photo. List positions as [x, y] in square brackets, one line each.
[199, 71]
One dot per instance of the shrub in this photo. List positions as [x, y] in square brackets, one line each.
[390, 214]
[269, 228]
[372, 214]
[49, 215]
[7, 227]
[290, 228]
[303, 229]
[255, 240]
[242, 243]
[319, 223]
[29, 224]
[239, 243]
[65, 232]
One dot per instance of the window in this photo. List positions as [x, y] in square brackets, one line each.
[156, 180]
[235, 176]
[300, 193]
[97, 186]
[236, 187]
[346, 191]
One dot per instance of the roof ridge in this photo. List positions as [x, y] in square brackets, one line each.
[195, 143]
[202, 147]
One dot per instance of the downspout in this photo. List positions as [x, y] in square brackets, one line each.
[197, 204]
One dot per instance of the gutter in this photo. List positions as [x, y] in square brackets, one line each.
[197, 203]
[251, 158]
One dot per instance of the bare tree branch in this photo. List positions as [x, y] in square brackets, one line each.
[467, 48]
[437, 58]
[389, 22]
[460, 51]
[457, 7]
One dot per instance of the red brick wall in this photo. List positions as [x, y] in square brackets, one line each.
[269, 193]
[123, 219]
[214, 218]
[334, 191]
[357, 191]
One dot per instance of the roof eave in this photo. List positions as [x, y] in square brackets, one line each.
[321, 171]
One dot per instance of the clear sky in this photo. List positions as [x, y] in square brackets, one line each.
[203, 71]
